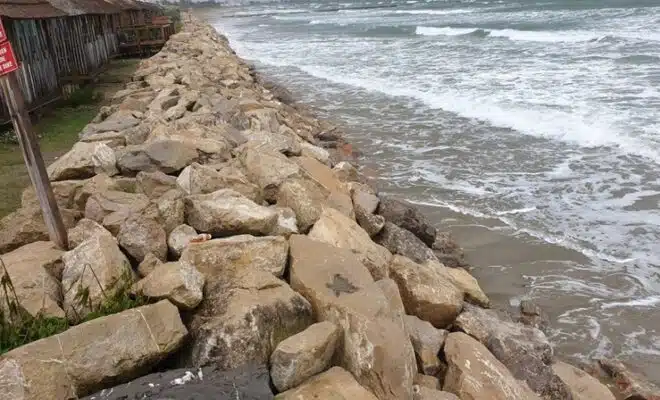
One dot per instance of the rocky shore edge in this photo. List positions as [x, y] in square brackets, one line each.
[271, 267]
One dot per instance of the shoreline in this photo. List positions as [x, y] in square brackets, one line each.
[262, 246]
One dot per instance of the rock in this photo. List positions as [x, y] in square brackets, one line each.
[171, 210]
[154, 184]
[140, 235]
[336, 229]
[168, 156]
[179, 239]
[402, 242]
[342, 203]
[117, 122]
[26, 225]
[476, 374]
[373, 224]
[305, 197]
[267, 168]
[147, 265]
[227, 212]
[247, 383]
[319, 154]
[89, 356]
[104, 160]
[267, 253]
[430, 382]
[200, 179]
[427, 342]
[424, 393]
[375, 348]
[303, 355]
[34, 270]
[524, 350]
[86, 229]
[366, 200]
[346, 172]
[336, 384]
[425, 293]
[285, 144]
[102, 204]
[407, 217]
[448, 251]
[391, 292]
[532, 315]
[97, 267]
[581, 385]
[64, 192]
[630, 384]
[322, 174]
[97, 184]
[287, 223]
[463, 281]
[178, 282]
[111, 139]
[79, 163]
[246, 313]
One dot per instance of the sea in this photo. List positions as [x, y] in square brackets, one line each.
[529, 128]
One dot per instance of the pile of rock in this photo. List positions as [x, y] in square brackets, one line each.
[266, 251]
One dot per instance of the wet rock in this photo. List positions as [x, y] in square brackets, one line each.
[34, 270]
[26, 225]
[341, 290]
[474, 373]
[178, 282]
[245, 383]
[336, 383]
[267, 253]
[448, 251]
[140, 235]
[427, 342]
[407, 217]
[267, 168]
[303, 355]
[424, 393]
[287, 223]
[200, 179]
[154, 184]
[581, 385]
[95, 267]
[227, 212]
[425, 293]
[147, 265]
[336, 229]
[86, 229]
[305, 197]
[89, 356]
[402, 242]
[84, 160]
[630, 384]
[532, 315]
[180, 238]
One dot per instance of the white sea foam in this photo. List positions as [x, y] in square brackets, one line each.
[445, 31]
[649, 301]
[433, 12]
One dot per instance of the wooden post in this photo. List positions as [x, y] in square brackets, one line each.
[34, 162]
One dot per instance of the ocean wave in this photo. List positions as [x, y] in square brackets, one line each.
[511, 34]
[639, 59]
[259, 13]
[433, 12]
[445, 31]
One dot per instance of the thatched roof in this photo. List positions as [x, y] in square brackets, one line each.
[83, 7]
[29, 9]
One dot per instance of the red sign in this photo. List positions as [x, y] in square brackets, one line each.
[3, 34]
[7, 59]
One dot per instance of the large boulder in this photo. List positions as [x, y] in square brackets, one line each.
[373, 224]
[400, 241]
[64, 192]
[179, 282]
[34, 271]
[84, 160]
[424, 393]
[336, 229]
[267, 168]
[287, 224]
[288, 144]
[227, 212]
[268, 253]
[582, 385]
[305, 197]
[93, 271]
[335, 384]
[464, 281]
[339, 197]
[168, 156]
[154, 184]
[102, 204]
[427, 342]
[425, 293]
[631, 385]
[448, 251]
[201, 179]
[376, 349]
[180, 238]
[408, 217]
[140, 235]
[303, 355]
[86, 229]
[524, 350]
[26, 225]
[86, 358]
[474, 373]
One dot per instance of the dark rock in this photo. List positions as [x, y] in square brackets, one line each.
[408, 217]
[250, 382]
[448, 251]
[532, 315]
[402, 242]
[631, 385]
